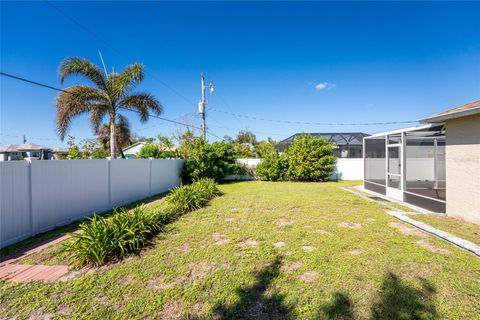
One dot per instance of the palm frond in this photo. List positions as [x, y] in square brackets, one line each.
[143, 103]
[73, 102]
[97, 114]
[80, 66]
[128, 79]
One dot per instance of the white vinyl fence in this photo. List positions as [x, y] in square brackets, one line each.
[346, 169]
[41, 195]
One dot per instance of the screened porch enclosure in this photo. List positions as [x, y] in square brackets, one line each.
[408, 165]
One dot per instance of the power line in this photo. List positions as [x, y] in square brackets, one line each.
[312, 123]
[66, 91]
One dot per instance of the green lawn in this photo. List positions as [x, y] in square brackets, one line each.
[271, 251]
[460, 228]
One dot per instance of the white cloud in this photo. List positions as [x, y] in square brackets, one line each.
[324, 86]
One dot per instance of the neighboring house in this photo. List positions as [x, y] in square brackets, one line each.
[131, 151]
[10, 152]
[348, 144]
[59, 153]
[435, 166]
[28, 151]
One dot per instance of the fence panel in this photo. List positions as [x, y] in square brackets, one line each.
[165, 175]
[129, 180]
[15, 220]
[65, 190]
[38, 196]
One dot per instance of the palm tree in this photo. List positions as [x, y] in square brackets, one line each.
[123, 134]
[109, 94]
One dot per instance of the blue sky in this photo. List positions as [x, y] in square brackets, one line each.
[311, 61]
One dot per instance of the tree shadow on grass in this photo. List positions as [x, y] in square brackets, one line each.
[398, 300]
[254, 303]
[340, 308]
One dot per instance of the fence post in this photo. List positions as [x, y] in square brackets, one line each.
[150, 177]
[33, 217]
[110, 204]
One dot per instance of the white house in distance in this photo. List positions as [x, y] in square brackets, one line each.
[435, 166]
[131, 151]
[29, 151]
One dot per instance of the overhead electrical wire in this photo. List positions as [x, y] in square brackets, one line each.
[312, 123]
[100, 39]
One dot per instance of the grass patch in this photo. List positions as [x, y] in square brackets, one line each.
[243, 257]
[458, 227]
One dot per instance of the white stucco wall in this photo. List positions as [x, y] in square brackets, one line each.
[463, 168]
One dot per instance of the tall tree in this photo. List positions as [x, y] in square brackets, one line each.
[109, 94]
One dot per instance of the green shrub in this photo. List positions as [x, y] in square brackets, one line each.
[310, 159]
[103, 239]
[149, 150]
[207, 160]
[193, 196]
[272, 167]
[99, 153]
[207, 187]
[186, 198]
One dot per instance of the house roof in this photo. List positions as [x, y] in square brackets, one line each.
[9, 148]
[134, 145]
[31, 146]
[338, 138]
[462, 111]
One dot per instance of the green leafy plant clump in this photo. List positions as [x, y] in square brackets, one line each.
[205, 160]
[307, 159]
[310, 159]
[193, 196]
[273, 166]
[103, 239]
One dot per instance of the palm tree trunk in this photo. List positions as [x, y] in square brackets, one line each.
[113, 136]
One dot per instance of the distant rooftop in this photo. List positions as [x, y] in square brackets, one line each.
[462, 111]
[338, 138]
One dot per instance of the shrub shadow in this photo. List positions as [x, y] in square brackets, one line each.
[254, 303]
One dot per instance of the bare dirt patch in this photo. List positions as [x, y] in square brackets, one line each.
[183, 248]
[432, 248]
[39, 314]
[308, 227]
[160, 283]
[309, 276]
[219, 239]
[350, 225]
[229, 219]
[371, 219]
[309, 248]
[64, 309]
[200, 270]
[125, 280]
[284, 222]
[171, 311]
[292, 266]
[279, 244]
[406, 230]
[248, 243]
[355, 252]
[196, 310]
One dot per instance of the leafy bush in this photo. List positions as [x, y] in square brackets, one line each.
[310, 159]
[149, 150]
[99, 153]
[272, 167]
[103, 239]
[193, 196]
[207, 187]
[74, 153]
[207, 160]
